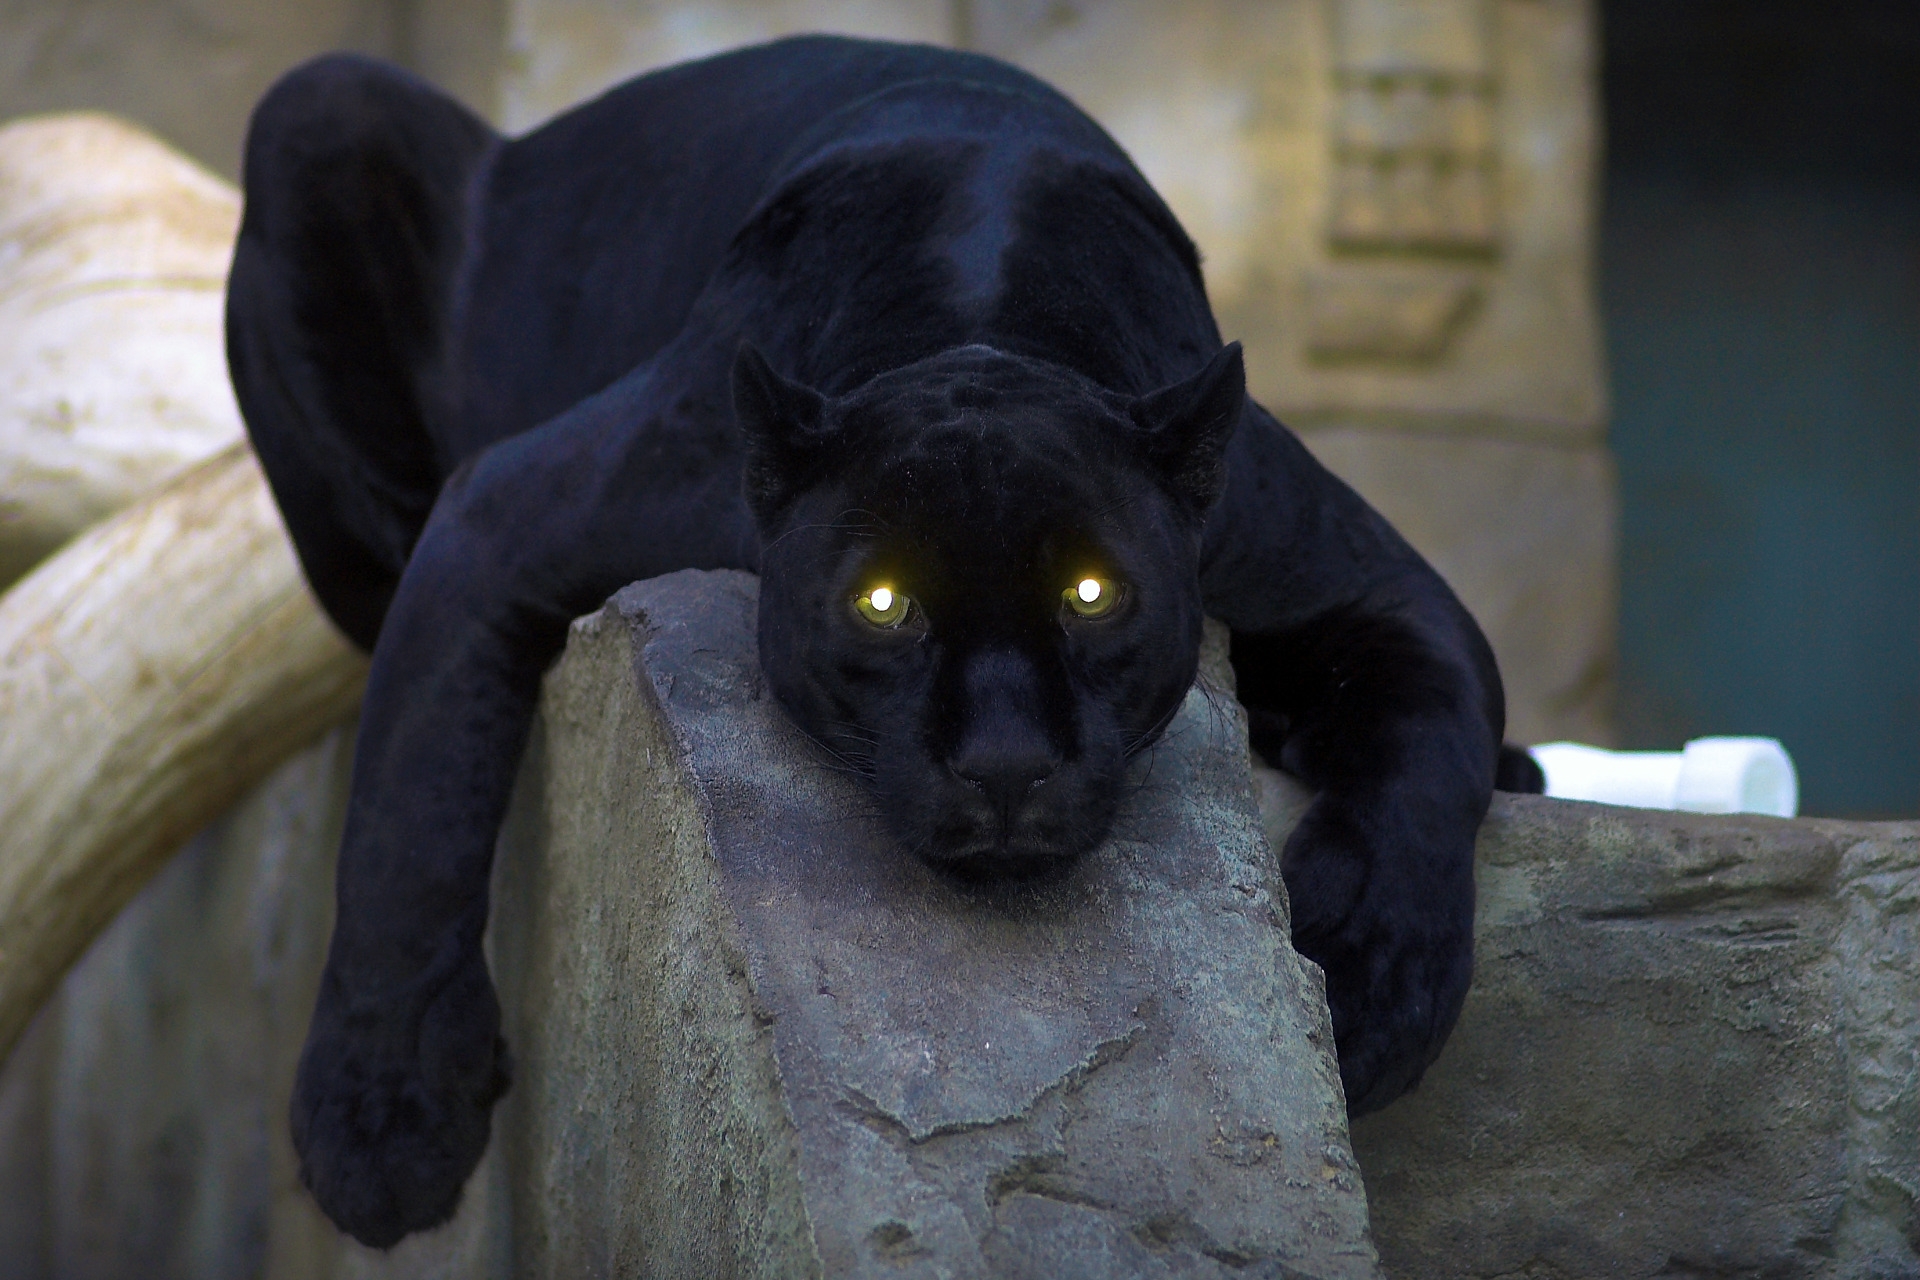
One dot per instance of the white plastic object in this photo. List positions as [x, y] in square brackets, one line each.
[1713, 775]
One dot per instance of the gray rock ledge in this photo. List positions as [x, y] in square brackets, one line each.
[1692, 1049]
[755, 1039]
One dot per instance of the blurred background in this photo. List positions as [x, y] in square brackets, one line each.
[1614, 308]
[1760, 280]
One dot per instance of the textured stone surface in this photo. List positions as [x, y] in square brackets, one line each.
[804, 1053]
[796, 1053]
[1692, 1048]
[143, 1115]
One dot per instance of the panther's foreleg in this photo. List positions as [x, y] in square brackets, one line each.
[404, 1058]
[1367, 679]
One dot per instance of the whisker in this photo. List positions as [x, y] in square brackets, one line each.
[838, 760]
[858, 529]
[1124, 500]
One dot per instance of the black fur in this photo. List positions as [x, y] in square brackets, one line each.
[840, 313]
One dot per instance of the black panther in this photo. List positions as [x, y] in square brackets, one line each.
[902, 331]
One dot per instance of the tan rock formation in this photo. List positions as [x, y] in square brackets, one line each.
[150, 674]
[113, 373]
[167, 659]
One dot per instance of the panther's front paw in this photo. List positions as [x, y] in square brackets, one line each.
[392, 1105]
[1388, 917]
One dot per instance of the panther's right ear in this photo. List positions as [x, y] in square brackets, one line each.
[784, 424]
[1185, 427]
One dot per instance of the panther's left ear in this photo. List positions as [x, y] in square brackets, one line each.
[784, 423]
[1185, 427]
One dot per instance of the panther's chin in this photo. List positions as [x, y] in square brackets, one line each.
[990, 865]
[985, 854]
[954, 828]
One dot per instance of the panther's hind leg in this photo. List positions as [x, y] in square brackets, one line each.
[357, 181]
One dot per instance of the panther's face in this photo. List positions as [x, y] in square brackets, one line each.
[979, 586]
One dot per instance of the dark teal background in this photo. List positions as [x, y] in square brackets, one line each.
[1760, 277]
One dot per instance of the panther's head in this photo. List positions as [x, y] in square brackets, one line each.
[979, 585]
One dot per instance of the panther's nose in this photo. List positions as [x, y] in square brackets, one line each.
[1005, 778]
[1004, 751]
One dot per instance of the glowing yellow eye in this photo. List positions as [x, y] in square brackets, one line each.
[883, 607]
[1092, 597]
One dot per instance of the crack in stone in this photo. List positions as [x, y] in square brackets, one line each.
[1164, 1231]
[864, 1110]
[894, 1241]
[1039, 1176]
[1688, 904]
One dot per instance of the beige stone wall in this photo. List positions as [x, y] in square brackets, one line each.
[1394, 197]
[560, 51]
[191, 70]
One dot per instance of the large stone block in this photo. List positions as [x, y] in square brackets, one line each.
[753, 1037]
[142, 1122]
[143, 1125]
[757, 1038]
[1692, 1048]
